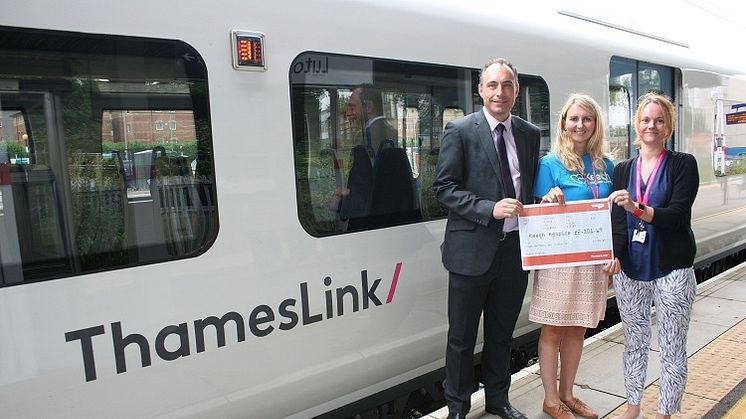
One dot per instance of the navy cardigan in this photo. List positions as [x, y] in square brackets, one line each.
[672, 220]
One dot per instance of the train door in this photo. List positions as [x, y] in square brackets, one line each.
[628, 80]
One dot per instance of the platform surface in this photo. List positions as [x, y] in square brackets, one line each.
[716, 346]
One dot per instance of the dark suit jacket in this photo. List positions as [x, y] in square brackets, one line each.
[467, 182]
[379, 131]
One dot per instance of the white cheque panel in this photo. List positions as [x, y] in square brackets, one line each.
[577, 233]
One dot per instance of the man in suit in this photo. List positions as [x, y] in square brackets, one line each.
[484, 193]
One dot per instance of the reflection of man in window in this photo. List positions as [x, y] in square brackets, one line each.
[363, 115]
[365, 109]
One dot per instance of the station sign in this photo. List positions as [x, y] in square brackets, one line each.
[735, 118]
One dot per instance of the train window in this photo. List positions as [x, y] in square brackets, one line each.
[367, 134]
[628, 80]
[533, 105]
[85, 182]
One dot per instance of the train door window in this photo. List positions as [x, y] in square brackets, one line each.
[623, 96]
[658, 78]
[85, 185]
[620, 114]
[533, 105]
[628, 80]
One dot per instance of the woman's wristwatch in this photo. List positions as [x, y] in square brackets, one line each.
[639, 211]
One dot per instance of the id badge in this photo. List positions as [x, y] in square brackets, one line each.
[639, 234]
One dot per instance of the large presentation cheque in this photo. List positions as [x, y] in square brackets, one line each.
[577, 233]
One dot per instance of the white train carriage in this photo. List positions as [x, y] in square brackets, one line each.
[169, 245]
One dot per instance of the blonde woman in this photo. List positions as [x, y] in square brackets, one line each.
[566, 301]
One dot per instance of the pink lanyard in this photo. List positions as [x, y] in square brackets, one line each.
[594, 191]
[644, 199]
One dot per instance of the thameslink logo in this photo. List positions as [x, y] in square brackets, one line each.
[261, 323]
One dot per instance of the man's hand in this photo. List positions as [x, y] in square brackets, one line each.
[507, 208]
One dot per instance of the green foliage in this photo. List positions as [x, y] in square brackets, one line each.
[13, 149]
[98, 211]
[82, 124]
[132, 146]
[430, 206]
[738, 167]
[316, 180]
[181, 148]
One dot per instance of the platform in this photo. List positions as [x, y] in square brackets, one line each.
[716, 385]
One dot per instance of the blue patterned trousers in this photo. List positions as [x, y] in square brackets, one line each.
[673, 296]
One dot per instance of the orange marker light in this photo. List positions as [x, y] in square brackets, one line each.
[248, 50]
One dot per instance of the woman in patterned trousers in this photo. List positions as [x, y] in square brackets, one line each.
[654, 242]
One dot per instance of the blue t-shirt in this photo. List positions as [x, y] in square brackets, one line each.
[575, 186]
[643, 259]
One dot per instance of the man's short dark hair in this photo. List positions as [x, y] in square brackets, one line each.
[373, 95]
[501, 61]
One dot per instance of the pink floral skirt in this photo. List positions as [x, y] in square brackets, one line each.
[569, 296]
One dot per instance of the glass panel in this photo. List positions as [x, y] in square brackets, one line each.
[730, 138]
[128, 135]
[367, 135]
[624, 74]
[619, 123]
[657, 78]
[533, 105]
[86, 183]
[628, 80]
[622, 96]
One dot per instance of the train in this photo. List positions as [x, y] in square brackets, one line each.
[173, 178]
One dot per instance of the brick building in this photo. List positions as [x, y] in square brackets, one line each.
[148, 127]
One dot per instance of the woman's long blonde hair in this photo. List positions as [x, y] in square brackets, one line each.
[564, 148]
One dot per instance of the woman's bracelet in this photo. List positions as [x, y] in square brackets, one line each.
[639, 210]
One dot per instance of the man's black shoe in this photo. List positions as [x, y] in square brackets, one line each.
[505, 412]
[456, 415]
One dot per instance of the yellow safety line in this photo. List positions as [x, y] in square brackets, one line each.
[738, 411]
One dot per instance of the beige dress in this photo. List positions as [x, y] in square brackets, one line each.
[569, 296]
